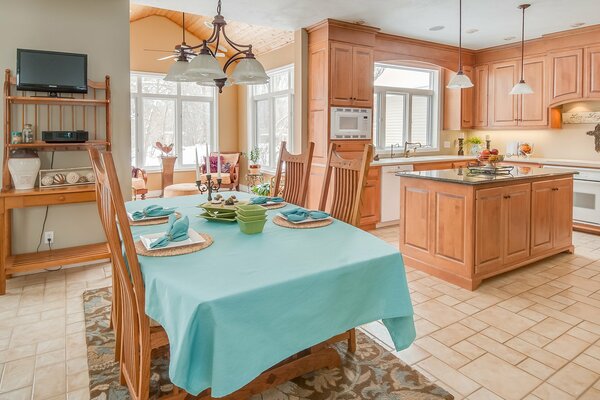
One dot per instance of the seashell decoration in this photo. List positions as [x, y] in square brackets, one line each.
[72, 178]
[47, 180]
[82, 179]
[59, 179]
[90, 177]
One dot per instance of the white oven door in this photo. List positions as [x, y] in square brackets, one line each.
[586, 201]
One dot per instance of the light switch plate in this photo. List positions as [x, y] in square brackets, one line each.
[446, 144]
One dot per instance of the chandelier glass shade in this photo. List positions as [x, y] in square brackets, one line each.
[203, 68]
[460, 80]
[521, 87]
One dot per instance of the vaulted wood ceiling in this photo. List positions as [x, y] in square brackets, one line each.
[263, 39]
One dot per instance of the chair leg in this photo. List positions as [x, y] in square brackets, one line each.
[352, 341]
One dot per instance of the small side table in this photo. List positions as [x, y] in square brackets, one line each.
[254, 179]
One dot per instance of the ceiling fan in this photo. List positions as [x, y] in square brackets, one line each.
[183, 51]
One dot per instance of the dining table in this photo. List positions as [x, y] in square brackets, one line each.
[247, 302]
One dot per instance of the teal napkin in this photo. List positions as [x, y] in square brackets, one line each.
[176, 232]
[152, 211]
[300, 214]
[265, 199]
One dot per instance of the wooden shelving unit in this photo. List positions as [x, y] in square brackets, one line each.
[82, 113]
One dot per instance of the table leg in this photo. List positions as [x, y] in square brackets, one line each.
[352, 341]
[5, 232]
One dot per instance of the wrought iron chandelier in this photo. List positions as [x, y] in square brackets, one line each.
[204, 69]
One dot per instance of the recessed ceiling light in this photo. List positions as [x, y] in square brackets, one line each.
[472, 30]
[510, 38]
[577, 24]
[437, 28]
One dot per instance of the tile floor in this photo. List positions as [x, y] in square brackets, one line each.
[530, 334]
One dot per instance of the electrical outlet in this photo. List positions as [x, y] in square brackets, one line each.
[446, 144]
[49, 237]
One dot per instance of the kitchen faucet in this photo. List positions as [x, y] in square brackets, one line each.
[415, 145]
[392, 149]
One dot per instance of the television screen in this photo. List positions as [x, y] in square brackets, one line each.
[49, 71]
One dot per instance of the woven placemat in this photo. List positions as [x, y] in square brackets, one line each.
[307, 225]
[154, 221]
[174, 251]
[274, 206]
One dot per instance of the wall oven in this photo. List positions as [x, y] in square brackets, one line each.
[348, 123]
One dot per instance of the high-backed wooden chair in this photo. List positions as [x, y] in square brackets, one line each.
[115, 311]
[297, 173]
[349, 179]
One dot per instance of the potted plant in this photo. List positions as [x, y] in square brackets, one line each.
[254, 157]
[263, 189]
[476, 145]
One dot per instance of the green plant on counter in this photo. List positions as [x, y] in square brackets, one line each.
[474, 140]
[254, 155]
[264, 189]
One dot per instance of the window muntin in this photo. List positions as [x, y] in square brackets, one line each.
[183, 113]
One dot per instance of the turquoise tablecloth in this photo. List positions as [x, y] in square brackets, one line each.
[247, 302]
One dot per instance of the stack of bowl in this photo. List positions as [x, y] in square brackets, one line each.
[251, 218]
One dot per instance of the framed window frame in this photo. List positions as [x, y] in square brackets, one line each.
[138, 135]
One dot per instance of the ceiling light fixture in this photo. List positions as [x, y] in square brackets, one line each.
[204, 68]
[460, 80]
[473, 30]
[437, 28]
[182, 54]
[522, 87]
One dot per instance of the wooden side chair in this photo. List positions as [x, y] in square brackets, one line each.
[349, 180]
[297, 173]
[139, 181]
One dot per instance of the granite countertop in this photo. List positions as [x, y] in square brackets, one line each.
[555, 161]
[419, 159]
[463, 176]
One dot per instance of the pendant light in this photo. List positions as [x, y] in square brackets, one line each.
[178, 71]
[460, 80]
[522, 87]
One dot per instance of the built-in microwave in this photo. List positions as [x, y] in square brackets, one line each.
[348, 123]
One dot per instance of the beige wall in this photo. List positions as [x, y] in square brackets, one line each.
[570, 142]
[100, 29]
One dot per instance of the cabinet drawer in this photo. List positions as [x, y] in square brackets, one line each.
[50, 199]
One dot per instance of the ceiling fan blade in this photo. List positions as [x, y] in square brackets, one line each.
[167, 57]
[219, 55]
[162, 51]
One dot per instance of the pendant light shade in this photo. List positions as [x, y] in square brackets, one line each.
[177, 72]
[249, 72]
[460, 80]
[204, 65]
[522, 87]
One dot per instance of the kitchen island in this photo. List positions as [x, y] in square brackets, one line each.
[463, 227]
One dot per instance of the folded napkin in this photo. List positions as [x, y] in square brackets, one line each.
[300, 214]
[152, 211]
[176, 232]
[265, 199]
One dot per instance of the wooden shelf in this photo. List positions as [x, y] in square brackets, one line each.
[54, 191]
[56, 101]
[43, 146]
[56, 258]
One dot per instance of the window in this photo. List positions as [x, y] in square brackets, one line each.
[271, 107]
[180, 113]
[406, 106]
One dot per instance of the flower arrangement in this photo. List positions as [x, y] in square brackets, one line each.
[164, 149]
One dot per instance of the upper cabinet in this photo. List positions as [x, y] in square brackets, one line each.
[533, 108]
[591, 74]
[458, 103]
[502, 105]
[566, 70]
[480, 98]
[351, 75]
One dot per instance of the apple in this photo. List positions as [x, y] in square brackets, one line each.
[495, 152]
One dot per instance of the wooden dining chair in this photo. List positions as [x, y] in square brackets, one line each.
[297, 173]
[115, 317]
[349, 180]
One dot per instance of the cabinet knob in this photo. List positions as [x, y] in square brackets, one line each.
[555, 189]
[507, 196]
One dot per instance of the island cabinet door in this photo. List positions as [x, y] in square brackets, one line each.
[489, 230]
[516, 214]
[563, 213]
[542, 211]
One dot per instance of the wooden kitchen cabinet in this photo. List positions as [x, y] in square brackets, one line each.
[458, 103]
[591, 72]
[480, 96]
[502, 226]
[533, 108]
[370, 205]
[502, 105]
[551, 215]
[351, 75]
[565, 75]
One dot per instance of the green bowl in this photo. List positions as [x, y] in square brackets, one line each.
[251, 210]
[253, 227]
[244, 218]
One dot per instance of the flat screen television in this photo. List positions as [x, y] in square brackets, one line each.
[51, 71]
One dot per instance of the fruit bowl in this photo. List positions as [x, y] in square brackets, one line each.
[525, 149]
[490, 157]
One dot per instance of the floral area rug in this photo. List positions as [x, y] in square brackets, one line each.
[370, 373]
